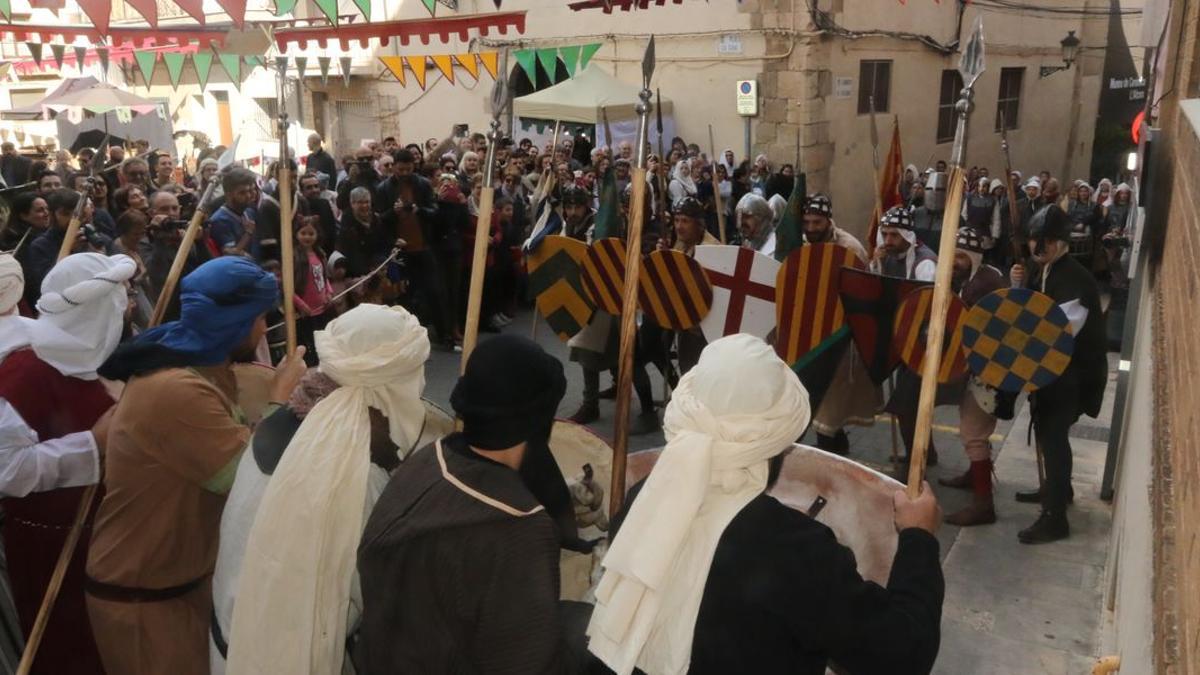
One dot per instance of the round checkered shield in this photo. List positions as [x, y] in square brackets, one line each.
[808, 308]
[557, 287]
[673, 291]
[604, 274]
[1017, 340]
[910, 328]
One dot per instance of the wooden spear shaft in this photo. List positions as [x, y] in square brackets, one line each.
[633, 263]
[712, 148]
[478, 263]
[285, 251]
[936, 335]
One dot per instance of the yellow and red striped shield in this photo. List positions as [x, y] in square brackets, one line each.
[808, 308]
[909, 331]
[673, 291]
[555, 284]
[604, 274]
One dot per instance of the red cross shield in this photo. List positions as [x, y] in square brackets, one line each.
[743, 283]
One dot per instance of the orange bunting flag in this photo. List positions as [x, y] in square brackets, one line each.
[491, 62]
[395, 64]
[469, 64]
[417, 65]
[445, 63]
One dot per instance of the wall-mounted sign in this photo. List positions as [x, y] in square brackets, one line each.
[843, 87]
[729, 44]
[747, 98]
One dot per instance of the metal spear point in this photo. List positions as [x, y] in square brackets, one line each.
[970, 67]
[874, 136]
[644, 106]
[499, 103]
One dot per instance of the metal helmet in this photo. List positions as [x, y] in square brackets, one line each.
[935, 191]
[1050, 223]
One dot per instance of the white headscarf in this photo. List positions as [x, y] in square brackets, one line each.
[296, 579]
[736, 409]
[81, 312]
[683, 174]
[14, 329]
[778, 204]
[729, 165]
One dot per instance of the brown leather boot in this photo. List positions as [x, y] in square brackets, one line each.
[982, 509]
[960, 482]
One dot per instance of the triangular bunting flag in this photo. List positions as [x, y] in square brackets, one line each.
[147, 8]
[301, 65]
[429, 5]
[284, 7]
[497, 3]
[329, 9]
[124, 114]
[417, 65]
[570, 58]
[395, 65]
[346, 61]
[364, 6]
[281, 65]
[202, 62]
[58, 51]
[253, 62]
[145, 61]
[35, 50]
[549, 60]
[469, 64]
[445, 63]
[491, 62]
[194, 8]
[586, 54]
[80, 57]
[6, 9]
[528, 60]
[102, 53]
[98, 11]
[236, 9]
[323, 64]
[174, 62]
[232, 63]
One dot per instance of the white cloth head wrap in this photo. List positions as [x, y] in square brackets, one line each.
[81, 312]
[14, 329]
[299, 566]
[737, 408]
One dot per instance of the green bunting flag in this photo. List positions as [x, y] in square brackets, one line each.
[345, 61]
[608, 215]
[35, 50]
[58, 51]
[585, 56]
[570, 58]
[527, 58]
[202, 62]
[329, 8]
[232, 63]
[284, 7]
[145, 61]
[6, 9]
[789, 236]
[364, 6]
[102, 52]
[429, 6]
[323, 63]
[174, 62]
[549, 60]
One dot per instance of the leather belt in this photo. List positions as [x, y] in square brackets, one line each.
[115, 593]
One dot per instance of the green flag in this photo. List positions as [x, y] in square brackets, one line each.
[549, 60]
[174, 62]
[284, 6]
[608, 216]
[145, 60]
[789, 236]
[364, 6]
[232, 63]
[528, 60]
[570, 58]
[585, 56]
[329, 8]
[202, 62]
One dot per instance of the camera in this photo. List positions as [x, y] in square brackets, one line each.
[93, 237]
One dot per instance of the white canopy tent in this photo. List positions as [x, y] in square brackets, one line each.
[582, 99]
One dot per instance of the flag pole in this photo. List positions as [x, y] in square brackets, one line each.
[544, 187]
[970, 67]
[483, 224]
[717, 188]
[286, 236]
[633, 261]
[875, 172]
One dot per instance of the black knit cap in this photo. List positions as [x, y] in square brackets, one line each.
[969, 240]
[509, 393]
[897, 217]
[1050, 223]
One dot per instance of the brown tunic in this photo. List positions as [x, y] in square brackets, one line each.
[173, 432]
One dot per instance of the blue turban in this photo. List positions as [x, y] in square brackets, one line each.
[219, 302]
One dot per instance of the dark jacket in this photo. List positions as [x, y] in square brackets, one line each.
[364, 246]
[783, 596]
[322, 161]
[15, 169]
[1080, 389]
[388, 192]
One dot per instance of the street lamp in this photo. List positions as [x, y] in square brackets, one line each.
[1070, 49]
